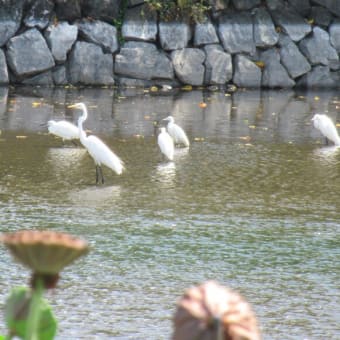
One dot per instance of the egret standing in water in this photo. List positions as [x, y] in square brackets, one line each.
[326, 126]
[176, 132]
[63, 129]
[97, 149]
[166, 144]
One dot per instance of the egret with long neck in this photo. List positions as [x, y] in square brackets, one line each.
[97, 149]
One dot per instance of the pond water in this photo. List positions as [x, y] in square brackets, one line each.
[253, 203]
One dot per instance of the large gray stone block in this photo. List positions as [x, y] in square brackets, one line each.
[60, 39]
[245, 4]
[3, 69]
[188, 65]
[332, 5]
[89, 65]
[321, 16]
[44, 78]
[291, 58]
[218, 65]
[99, 33]
[10, 17]
[264, 29]
[319, 77]
[274, 74]
[318, 49]
[246, 72]
[140, 24]
[28, 54]
[106, 10]
[69, 10]
[174, 35]
[301, 6]
[39, 14]
[143, 60]
[288, 19]
[59, 74]
[236, 32]
[334, 32]
[205, 33]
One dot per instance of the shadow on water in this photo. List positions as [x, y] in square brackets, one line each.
[253, 203]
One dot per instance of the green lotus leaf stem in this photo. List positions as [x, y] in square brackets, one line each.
[34, 311]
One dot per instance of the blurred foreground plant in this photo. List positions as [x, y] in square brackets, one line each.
[28, 316]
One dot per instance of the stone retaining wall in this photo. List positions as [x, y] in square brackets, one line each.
[247, 43]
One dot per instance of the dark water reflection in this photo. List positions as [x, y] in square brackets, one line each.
[254, 203]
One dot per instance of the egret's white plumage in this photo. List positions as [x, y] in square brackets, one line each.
[98, 150]
[176, 132]
[63, 129]
[166, 144]
[326, 126]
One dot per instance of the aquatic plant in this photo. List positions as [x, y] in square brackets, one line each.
[212, 311]
[46, 253]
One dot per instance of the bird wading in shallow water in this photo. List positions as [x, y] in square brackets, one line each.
[63, 129]
[176, 132]
[97, 149]
[166, 144]
[326, 126]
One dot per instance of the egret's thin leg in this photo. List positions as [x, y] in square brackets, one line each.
[101, 173]
[97, 174]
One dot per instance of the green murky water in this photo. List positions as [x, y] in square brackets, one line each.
[254, 204]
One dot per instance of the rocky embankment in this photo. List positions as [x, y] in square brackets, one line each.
[247, 43]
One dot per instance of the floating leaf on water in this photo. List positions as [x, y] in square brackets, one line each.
[36, 104]
[311, 21]
[202, 105]
[245, 138]
[153, 88]
[147, 117]
[20, 137]
[252, 126]
[316, 98]
[199, 139]
[187, 88]
[260, 64]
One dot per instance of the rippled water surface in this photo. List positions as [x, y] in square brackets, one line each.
[253, 203]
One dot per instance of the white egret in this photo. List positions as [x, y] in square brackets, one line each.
[176, 132]
[97, 149]
[326, 126]
[63, 129]
[166, 144]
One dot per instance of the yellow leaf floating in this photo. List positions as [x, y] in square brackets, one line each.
[198, 139]
[36, 104]
[187, 88]
[310, 21]
[252, 126]
[316, 98]
[202, 105]
[260, 64]
[153, 88]
[20, 137]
